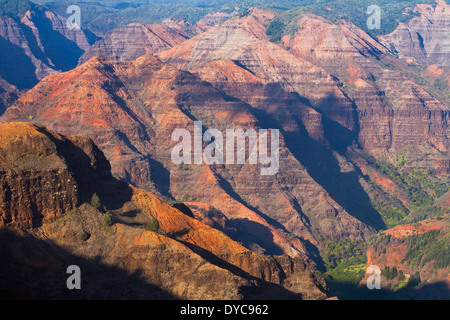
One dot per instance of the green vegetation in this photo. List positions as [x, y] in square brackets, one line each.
[350, 271]
[245, 13]
[427, 247]
[398, 279]
[392, 210]
[344, 262]
[74, 211]
[421, 189]
[428, 182]
[392, 12]
[425, 213]
[210, 213]
[441, 84]
[102, 16]
[16, 8]
[431, 246]
[381, 240]
[390, 273]
[402, 282]
[152, 225]
[284, 23]
[107, 219]
[275, 30]
[95, 202]
[169, 200]
[336, 252]
[183, 167]
[415, 193]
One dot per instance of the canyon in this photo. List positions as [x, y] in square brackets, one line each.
[395, 249]
[425, 37]
[364, 149]
[134, 40]
[184, 259]
[151, 99]
[36, 45]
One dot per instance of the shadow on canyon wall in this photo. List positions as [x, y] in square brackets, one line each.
[33, 269]
[321, 163]
[15, 66]
[264, 289]
[63, 52]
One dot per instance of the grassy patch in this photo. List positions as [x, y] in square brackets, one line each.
[420, 186]
[432, 246]
[392, 210]
[350, 271]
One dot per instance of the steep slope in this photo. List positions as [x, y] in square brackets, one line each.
[54, 228]
[355, 95]
[425, 37]
[244, 40]
[36, 45]
[393, 112]
[16, 209]
[130, 109]
[414, 256]
[134, 40]
[285, 90]
[365, 95]
[336, 95]
[7, 98]
[213, 19]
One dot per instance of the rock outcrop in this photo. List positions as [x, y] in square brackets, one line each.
[184, 259]
[7, 98]
[414, 258]
[343, 92]
[344, 75]
[149, 100]
[37, 45]
[392, 112]
[425, 37]
[213, 19]
[40, 174]
[134, 40]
